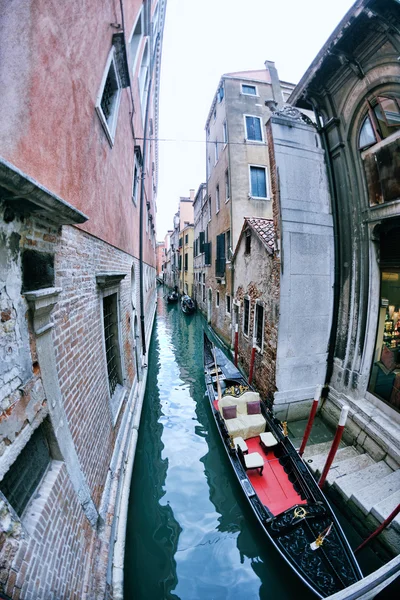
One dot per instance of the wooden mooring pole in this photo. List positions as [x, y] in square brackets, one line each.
[381, 527]
[311, 418]
[335, 445]
[253, 354]
[236, 344]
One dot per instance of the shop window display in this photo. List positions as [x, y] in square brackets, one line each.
[385, 374]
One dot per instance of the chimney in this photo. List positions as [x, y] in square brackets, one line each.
[191, 195]
[276, 86]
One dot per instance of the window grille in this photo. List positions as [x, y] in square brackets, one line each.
[111, 340]
[109, 93]
[246, 316]
[22, 479]
[259, 324]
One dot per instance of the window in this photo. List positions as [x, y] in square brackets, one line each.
[228, 252]
[217, 206]
[217, 300]
[249, 90]
[246, 316]
[209, 166]
[207, 253]
[253, 128]
[258, 182]
[109, 97]
[111, 338]
[220, 259]
[187, 238]
[186, 261]
[144, 77]
[216, 152]
[201, 241]
[209, 208]
[136, 179]
[135, 40]
[247, 248]
[228, 304]
[227, 186]
[259, 325]
[382, 119]
[215, 113]
[221, 93]
[22, 479]
[225, 133]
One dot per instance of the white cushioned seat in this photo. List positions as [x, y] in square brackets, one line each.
[268, 440]
[240, 443]
[244, 425]
[254, 460]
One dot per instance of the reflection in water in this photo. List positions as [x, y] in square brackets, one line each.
[190, 533]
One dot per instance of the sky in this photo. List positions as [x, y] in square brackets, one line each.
[204, 39]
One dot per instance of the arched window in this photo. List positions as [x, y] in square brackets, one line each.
[382, 120]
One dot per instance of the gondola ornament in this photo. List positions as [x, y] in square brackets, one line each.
[320, 539]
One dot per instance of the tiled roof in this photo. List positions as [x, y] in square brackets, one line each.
[264, 228]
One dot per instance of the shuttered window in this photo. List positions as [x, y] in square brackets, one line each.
[253, 129]
[207, 253]
[258, 182]
[220, 259]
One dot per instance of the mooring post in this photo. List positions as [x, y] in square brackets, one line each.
[311, 417]
[381, 527]
[253, 354]
[335, 444]
[236, 344]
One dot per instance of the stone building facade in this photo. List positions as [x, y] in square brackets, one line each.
[77, 286]
[238, 181]
[353, 86]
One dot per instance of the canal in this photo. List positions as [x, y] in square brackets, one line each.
[190, 534]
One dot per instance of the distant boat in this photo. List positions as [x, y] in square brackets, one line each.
[290, 507]
[172, 297]
[187, 304]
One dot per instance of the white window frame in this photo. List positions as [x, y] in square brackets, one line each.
[217, 299]
[225, 132]
[267, 197]
[228, 312]
[140, 17]
[216, 152]
[143, 76]
[262, 141]
[259, 348]
[249, 85]
[246, 335]
[217, 199]
[136, 180]
[227, 187]
[109, 128]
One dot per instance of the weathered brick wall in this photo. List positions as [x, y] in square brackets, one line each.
[260, 283]
[78, 340]
[52, 551]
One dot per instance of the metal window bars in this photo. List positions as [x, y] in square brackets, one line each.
[110, 332]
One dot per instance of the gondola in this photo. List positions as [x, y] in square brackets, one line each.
[187, 304]
[290, 507]
[173, 297]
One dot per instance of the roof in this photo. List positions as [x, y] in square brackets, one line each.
[328, 49]
[264, 230]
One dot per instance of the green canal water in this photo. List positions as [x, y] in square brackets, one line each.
[190, 534]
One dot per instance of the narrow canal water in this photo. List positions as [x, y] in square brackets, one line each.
[190, 534]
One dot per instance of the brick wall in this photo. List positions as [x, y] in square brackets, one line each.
[52, 551]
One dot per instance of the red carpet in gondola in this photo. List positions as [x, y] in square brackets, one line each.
[273, 487]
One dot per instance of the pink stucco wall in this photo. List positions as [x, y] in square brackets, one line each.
[50, 75]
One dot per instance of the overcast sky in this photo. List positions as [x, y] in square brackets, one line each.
[204, 39]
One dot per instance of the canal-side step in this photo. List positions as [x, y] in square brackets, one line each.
[317, 461]
[348, 485]
[370, 495]
[369, 490]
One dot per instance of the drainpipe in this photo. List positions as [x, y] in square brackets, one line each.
[141, 212]
[336, 282]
